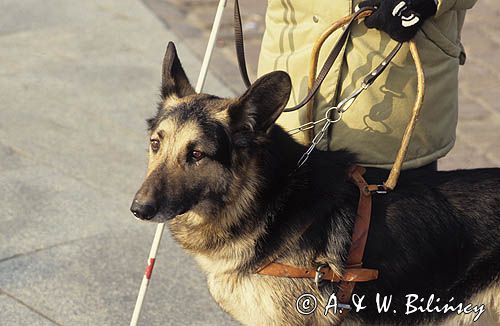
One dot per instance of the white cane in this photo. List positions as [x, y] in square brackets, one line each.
[159, 229]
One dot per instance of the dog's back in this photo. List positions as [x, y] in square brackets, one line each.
[436, 234]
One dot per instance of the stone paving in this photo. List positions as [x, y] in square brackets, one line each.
[77, 81]
[478, 132]
[192, 20]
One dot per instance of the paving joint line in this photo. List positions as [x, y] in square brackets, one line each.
[34, 251]
[36, 311]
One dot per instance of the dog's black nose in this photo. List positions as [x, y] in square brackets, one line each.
[144, 211]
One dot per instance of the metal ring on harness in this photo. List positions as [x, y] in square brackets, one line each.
[318, 277]
[338, 118]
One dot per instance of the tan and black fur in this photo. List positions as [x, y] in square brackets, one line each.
[223, 177]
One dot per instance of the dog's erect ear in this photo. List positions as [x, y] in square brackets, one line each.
[174, 79]
[263, 102]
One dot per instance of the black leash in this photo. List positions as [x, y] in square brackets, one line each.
[332, 57]
[239, 43]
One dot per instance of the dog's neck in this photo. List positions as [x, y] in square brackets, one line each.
[295, 198]
[262, 217]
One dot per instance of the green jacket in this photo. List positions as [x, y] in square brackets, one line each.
[374, 125]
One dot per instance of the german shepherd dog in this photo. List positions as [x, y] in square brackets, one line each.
[223, 176]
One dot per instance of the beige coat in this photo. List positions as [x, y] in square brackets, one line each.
[374, 125]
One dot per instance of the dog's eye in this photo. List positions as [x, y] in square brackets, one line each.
[197, 155]
[155, 145]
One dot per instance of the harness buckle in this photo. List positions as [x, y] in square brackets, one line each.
[381, 190]
[318, 277]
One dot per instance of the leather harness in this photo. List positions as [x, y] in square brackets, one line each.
[353, 272]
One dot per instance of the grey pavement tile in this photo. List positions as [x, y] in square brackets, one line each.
[480, 135]
[464, 156]
[52, 13]
[41, 208]
[12, 158]
[192, 20]
[13, 313]
[478, 77]
[105, 156]
[95, 282]
[472, 109]
[486, 97]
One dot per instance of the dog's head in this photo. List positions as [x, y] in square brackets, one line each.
[200, 144]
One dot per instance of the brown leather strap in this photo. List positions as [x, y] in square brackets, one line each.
[350, 274]
[353, 273]
[362, 221]
[240, 51]
[359, 234]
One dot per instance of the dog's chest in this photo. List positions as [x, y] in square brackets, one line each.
[246, 299]
[262, 300]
